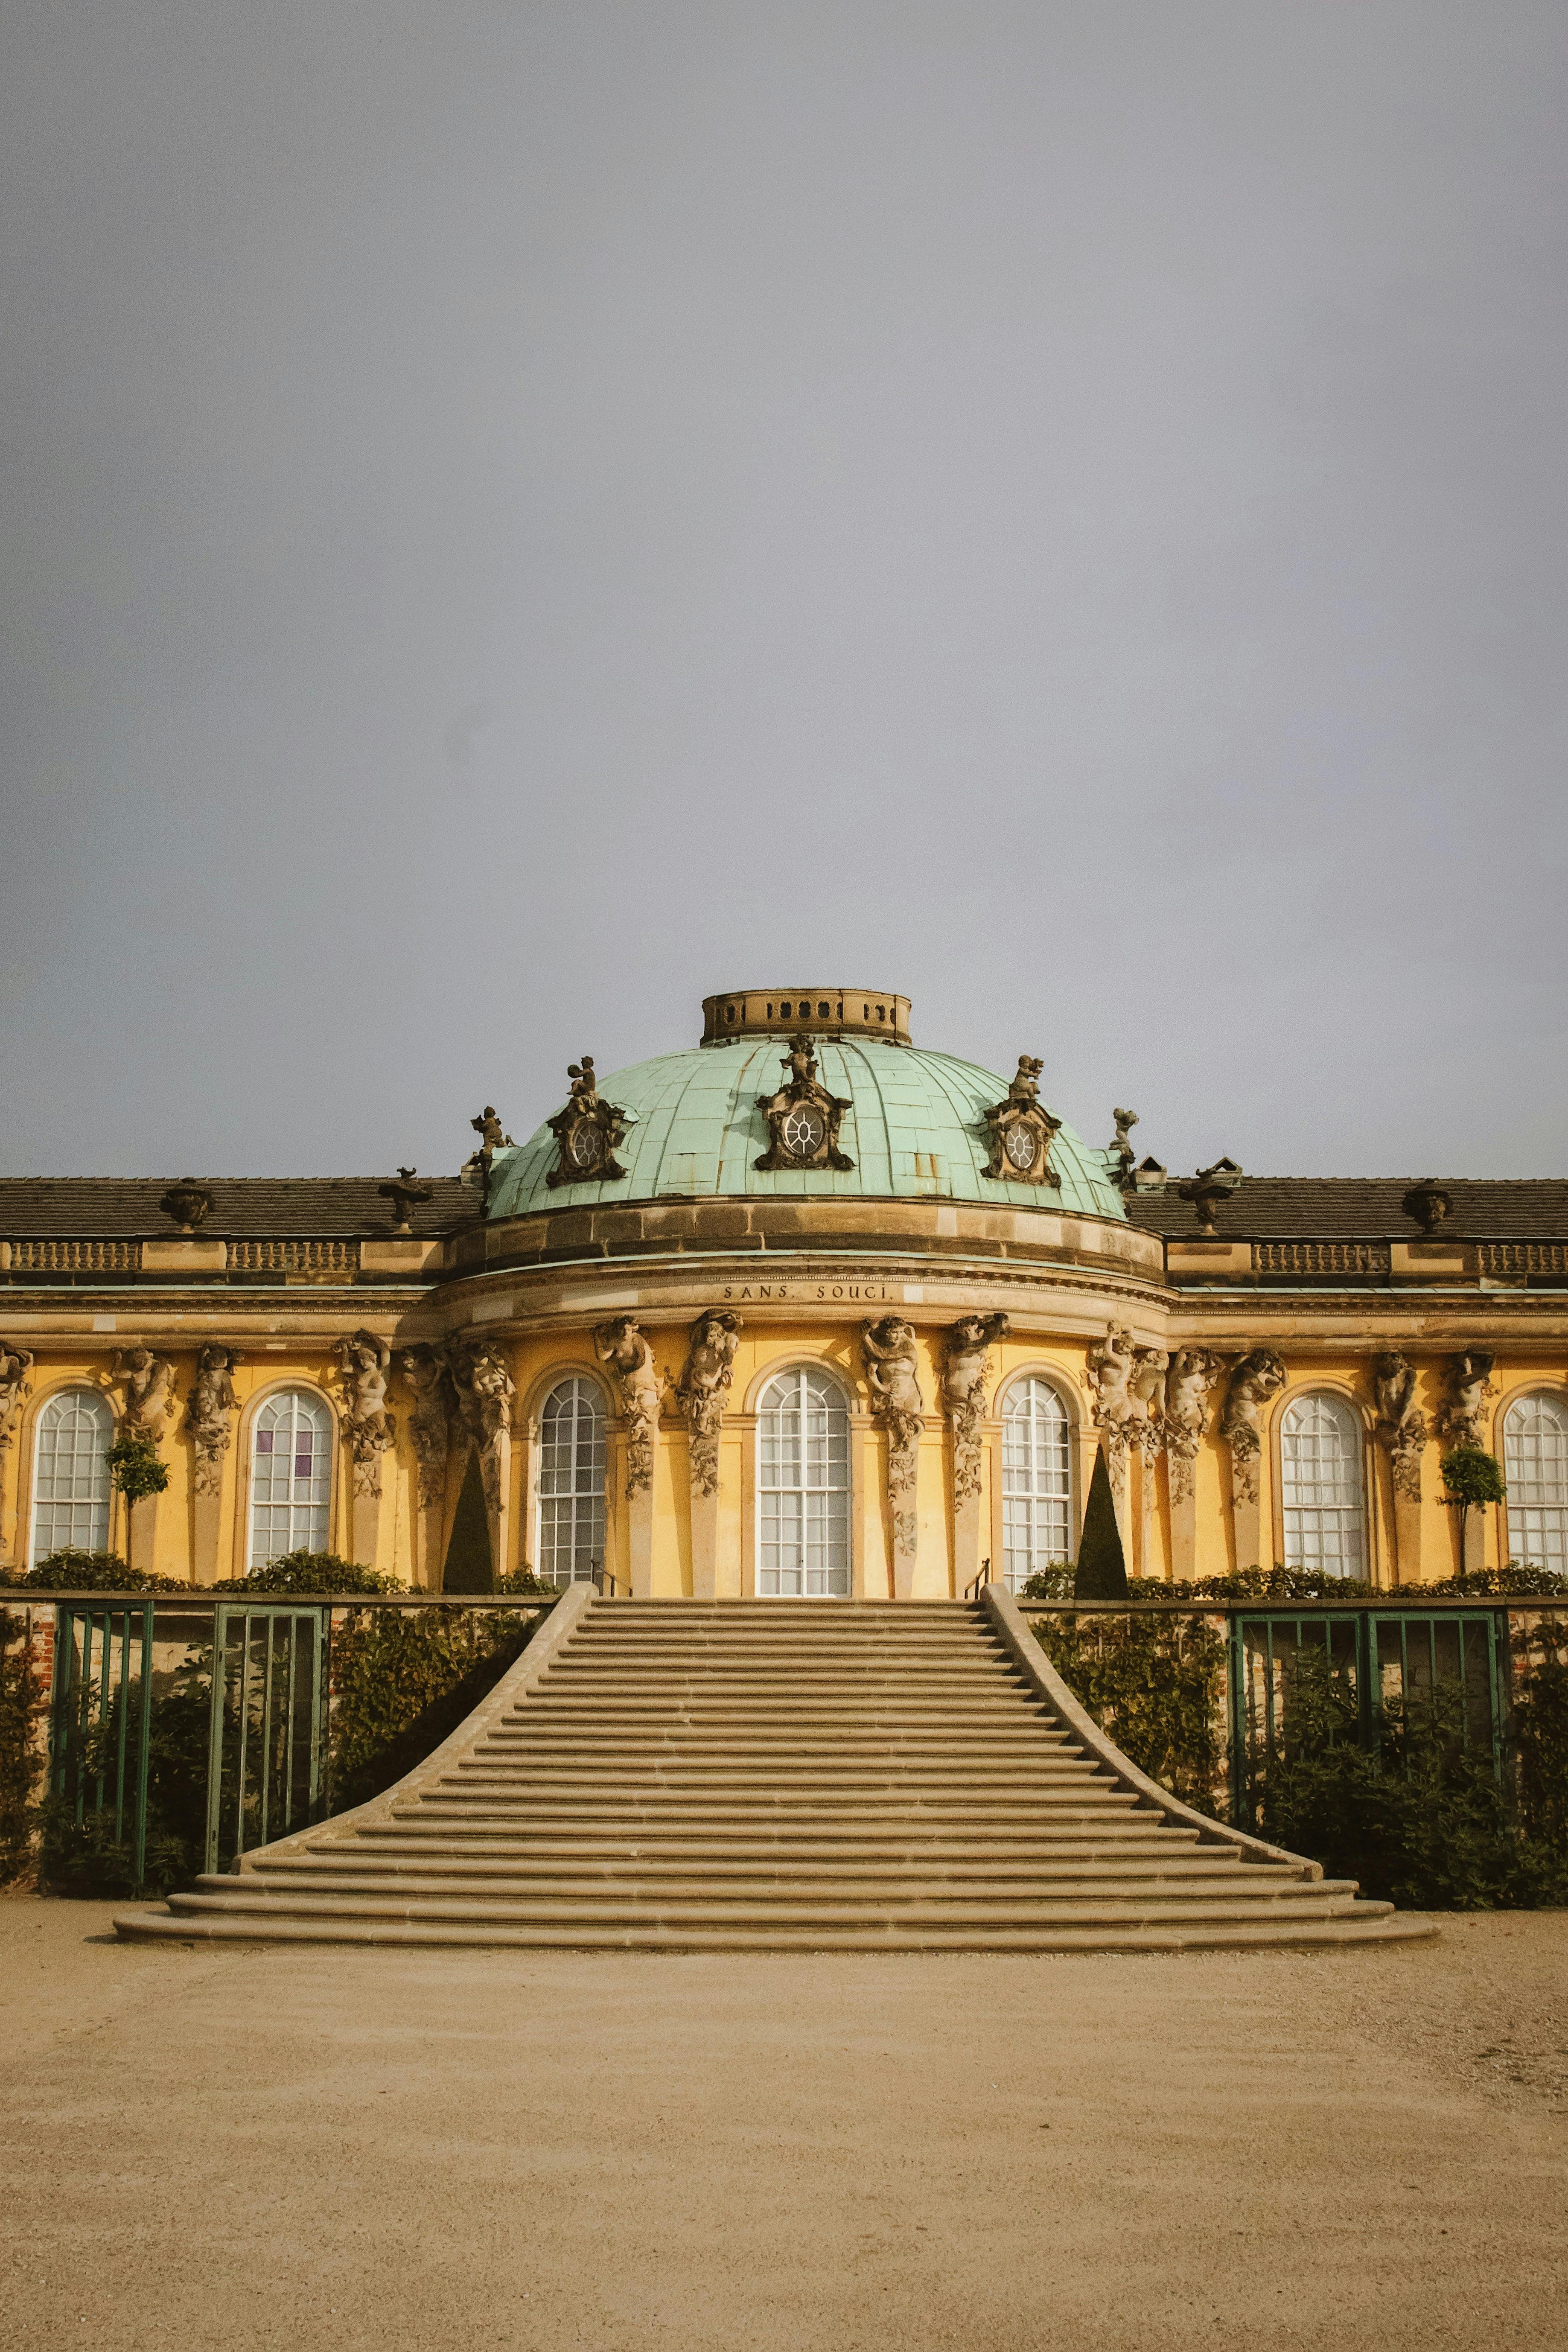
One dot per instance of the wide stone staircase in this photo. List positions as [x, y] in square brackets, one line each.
[788, 1776]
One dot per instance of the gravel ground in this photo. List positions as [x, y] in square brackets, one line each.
[315, 2147]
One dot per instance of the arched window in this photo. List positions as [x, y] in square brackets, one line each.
[1037, 1480]
[1320, 1464]
[71, 1475]
[291, 1476]
[572, 1482]
[1535, 1464]
[803, 1487]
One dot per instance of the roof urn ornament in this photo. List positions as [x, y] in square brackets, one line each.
[406, 1196]
[1206, 1190]
[1021, 1131]
[802, 1118]
[1427, 1203]
[189, 1202]
[587, 1132]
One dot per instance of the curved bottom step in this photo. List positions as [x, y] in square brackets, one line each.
[393, 1934]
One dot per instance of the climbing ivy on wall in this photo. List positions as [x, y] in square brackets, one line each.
[21, 1708]
[1156, 1684]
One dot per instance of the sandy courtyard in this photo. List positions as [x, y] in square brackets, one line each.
[307, 2148]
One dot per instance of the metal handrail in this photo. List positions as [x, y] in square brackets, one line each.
[972, 1592]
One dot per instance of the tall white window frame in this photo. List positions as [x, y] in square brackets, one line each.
[1535, 1467]
[291, 1476]
[1036, 1480]
[569, 1505]
[803, 1487]
[1321, 1488]
[71, 1493]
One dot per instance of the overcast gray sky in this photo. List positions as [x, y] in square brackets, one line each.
[517, 517]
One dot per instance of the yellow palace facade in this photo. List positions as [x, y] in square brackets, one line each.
[803, 1310]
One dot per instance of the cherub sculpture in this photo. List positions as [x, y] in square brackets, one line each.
[149, 1379]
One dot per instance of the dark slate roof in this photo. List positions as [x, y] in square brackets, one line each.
[35, 1208]
[1269, 1207]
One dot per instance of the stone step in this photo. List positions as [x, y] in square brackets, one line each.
[413, 1836]
[665, 1910]
[436, 1869]
[887, 1937]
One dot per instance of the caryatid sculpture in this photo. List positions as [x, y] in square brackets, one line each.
[966, 1349]
[1256, 1378]
[1118, 1413]
[430, 1423]
[1401, 1424]
[483, 1386]
[893, 1375]
[704, 1386]
[149, 1382]
[1463, 1419]
[1192, 1376]
[367, 1425]
[209, 1413]
[627, 1357]
[16, 1363]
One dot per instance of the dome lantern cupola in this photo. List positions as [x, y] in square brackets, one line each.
[821, 1012]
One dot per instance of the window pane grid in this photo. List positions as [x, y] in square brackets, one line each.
[1036, 1481]
[1535, 1467]
[70, 1482]
[290, 1477]
[803, 1489]
[1319, 1462]
[572, 1482]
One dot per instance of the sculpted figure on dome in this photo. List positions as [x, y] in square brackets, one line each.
[587, 1130]
[367, 1424]
[802, 1118]
[209, 1413]
[149, 1379]
[1021, 1130]
[1462, 1421]
[1256, 1378]
[628, 1356]
[430, 1423]
[1192, 1376]
[966, 1349]
[1401, 1424]
[703, 1388]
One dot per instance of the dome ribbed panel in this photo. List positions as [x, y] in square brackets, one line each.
[915, 1131]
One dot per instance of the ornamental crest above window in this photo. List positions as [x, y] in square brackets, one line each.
[802, 1118]
[587, 1132]
[1021, 1130]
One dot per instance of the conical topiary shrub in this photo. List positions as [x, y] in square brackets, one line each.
[1101, 1563]
[470, 1567]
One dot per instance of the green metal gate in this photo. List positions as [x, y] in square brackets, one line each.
[1377, 1657]
[101, 1714]
[266, 1734]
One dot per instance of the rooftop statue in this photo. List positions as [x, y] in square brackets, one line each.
[1021, 1131]
[802, 1118]
[588, 1131]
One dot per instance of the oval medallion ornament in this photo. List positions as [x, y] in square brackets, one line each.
[586, 1146]
[804, 1132]
[1022, 1147]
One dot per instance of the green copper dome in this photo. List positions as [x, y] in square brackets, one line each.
[915, 1131]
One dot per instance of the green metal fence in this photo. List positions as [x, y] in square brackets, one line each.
[268, 1730]
[1377, 1658]
[101, 1714]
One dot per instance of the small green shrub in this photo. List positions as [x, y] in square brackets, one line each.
[310, 1571]
[135, 1469]
[94, 1571]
